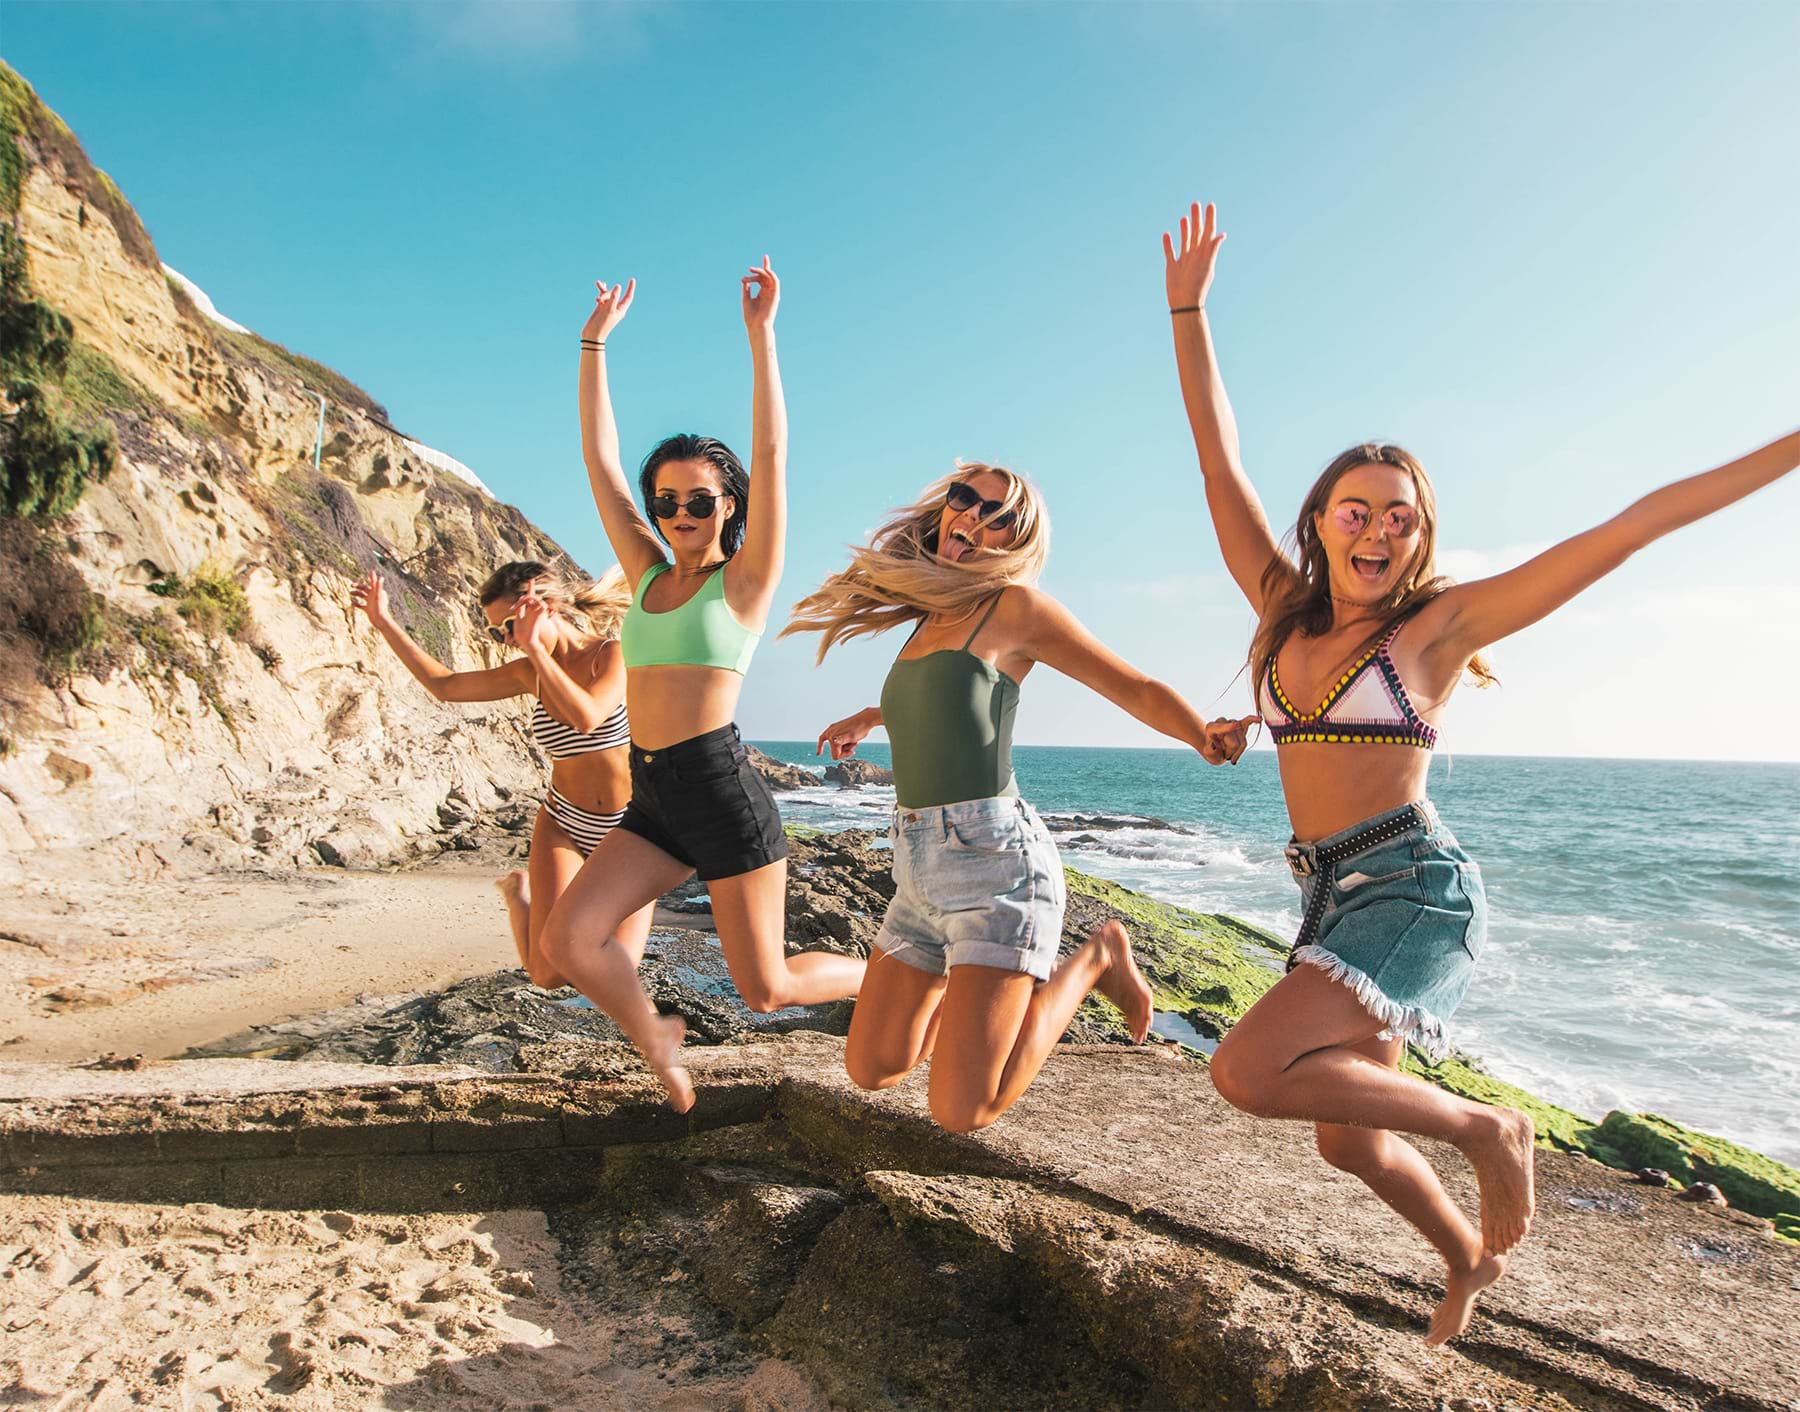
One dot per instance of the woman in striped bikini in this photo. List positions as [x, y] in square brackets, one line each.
[568, 633]
[1394, 911]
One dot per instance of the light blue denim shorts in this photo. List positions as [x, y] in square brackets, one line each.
[977, 883]
[1402, 925]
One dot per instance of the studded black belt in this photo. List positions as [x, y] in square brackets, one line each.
[1310, 860]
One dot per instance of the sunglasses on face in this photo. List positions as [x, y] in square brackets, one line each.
[960, 497]
[1352, 518]
[700, 505]
[503, 633]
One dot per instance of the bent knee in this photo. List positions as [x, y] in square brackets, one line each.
[871, 1074]
[1240, 1081]
[543, 975]
[958, 1115]
[763, 996]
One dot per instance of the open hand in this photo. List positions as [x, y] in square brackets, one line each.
[845, 735]
[610, 306]
[1227, 739]
[369, 594]
[531, 623]
[1188, 268]
[762, 292]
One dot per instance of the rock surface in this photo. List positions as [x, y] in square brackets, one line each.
[778, 773]
[854, 774]
[1121, 1239]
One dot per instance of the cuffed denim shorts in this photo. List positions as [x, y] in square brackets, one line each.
[977, 883]
[1403, 925]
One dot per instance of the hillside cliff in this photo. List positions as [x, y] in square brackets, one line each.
[202, 694]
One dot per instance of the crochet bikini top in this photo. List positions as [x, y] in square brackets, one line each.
[1368, 705]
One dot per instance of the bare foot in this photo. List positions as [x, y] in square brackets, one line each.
[1121, 982]
[664, 1059]
[515, 888]
[1460, 1292]
[1502, 1158]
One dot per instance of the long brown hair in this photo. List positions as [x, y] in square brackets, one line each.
[1296, 587]
[897, 577]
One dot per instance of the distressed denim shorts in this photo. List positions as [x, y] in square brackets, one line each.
[1402, 925]
[977, 883]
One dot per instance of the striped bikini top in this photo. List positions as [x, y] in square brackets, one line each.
[559, 742]
[1368, 705]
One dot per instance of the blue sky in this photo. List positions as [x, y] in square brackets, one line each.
[1547, 247]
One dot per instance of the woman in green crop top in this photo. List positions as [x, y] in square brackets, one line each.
[966, 966]
[703, 564]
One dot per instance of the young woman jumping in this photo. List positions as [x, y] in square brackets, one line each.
[567, 631]
[966, 970]
[1358, 646]
[697, 612]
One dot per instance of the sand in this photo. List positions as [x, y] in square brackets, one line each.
[155, 967]
[109, 1306]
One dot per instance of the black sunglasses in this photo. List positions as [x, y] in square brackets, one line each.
[960, 497]
[700, 505]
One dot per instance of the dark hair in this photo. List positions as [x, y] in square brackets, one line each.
[734, 479]
[509, 580]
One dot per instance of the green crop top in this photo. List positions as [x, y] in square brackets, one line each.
[700, 633]
[949, 718]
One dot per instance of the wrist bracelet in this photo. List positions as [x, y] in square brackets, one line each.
[592, 346]
[1187, 309]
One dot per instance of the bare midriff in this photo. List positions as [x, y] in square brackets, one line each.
[1330, 787]
[599, 781]
[669, 704]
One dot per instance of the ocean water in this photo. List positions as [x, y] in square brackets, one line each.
[1644, 938]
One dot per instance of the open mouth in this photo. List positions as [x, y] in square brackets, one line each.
[957, 545]
[1369, 566]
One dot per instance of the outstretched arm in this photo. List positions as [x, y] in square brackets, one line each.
[1052, 635]
[1243, 529]
[1472, 615]
[633, 541]
[754, 573]
[494, 684]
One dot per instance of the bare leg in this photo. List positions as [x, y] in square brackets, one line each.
[750, 912]
[555, 860]
[1293, 1056]
[999, 1026]
[895, 1024]
[621, 879]
[1398, 1173]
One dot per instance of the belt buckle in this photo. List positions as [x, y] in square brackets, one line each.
[1299, 860]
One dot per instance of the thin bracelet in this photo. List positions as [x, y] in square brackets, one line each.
[589, 346]
[1186, 309]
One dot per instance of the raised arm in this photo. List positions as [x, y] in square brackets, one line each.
[751, 579]
[633, 541]
[1051, 634]
[583, 699]
[494, 684]
[1237, 515]
[1468, 617]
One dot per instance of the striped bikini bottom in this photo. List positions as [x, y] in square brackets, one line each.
[584, 827]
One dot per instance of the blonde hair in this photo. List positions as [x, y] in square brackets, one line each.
[897, 577]
[593, 605]
[1297, 592]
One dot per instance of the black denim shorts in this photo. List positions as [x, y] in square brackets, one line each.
[702, 802]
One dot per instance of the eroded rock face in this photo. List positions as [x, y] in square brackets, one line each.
[297, 736]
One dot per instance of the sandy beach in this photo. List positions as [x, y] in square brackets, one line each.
[154, 967]
[110, 1305]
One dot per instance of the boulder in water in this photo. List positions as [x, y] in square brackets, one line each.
[854, 774]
